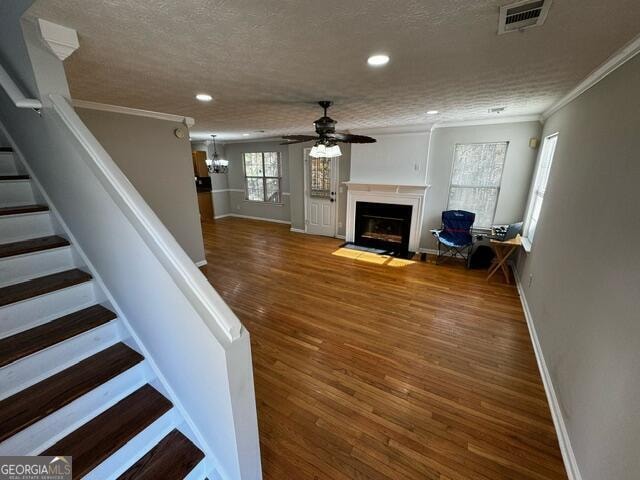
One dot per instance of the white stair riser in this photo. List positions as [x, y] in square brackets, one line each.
[20, 316]
[121, 460]
[14, 193]
[31, 265]
[37, 437]
[22, 227]
[7, 164]
[40, 365]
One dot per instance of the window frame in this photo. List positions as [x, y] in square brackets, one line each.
[497, 189]
[264, 178]
[527, 235]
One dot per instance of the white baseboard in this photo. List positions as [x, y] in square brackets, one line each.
[341, 237]
[237, 215]
[249, 217]
[556, 413]
[432, 251]
[201, 263]
[298, 230]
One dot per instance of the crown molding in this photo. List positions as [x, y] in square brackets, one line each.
[489, 121]
[615, 61]
[188, 121]
[62, 41]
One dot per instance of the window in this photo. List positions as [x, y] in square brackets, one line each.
[475, 180]
[320, 177]
[540, 186]
[262, 177]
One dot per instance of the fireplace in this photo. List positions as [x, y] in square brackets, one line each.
[385, 226]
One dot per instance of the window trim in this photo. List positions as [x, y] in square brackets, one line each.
[264, 179]
[498, 189]
[527, 242]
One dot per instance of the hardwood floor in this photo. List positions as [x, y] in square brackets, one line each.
[387, 370]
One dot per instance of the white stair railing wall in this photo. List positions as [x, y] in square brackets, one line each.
[197, 345]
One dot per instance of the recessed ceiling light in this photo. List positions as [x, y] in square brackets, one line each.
[378, 60]
[203, 97]
[245, 134]
[432, 112]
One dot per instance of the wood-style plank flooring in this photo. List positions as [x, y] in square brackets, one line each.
[377, 368]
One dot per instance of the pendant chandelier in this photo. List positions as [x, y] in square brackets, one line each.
[216, 164]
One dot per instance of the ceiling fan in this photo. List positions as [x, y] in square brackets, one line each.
[327, 140]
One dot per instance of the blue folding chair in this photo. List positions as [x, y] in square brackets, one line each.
[455, 235]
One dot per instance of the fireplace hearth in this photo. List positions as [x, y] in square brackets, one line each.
[384, 226]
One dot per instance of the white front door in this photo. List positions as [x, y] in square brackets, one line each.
[321, 182]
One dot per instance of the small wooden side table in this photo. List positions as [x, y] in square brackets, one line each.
[503, 251]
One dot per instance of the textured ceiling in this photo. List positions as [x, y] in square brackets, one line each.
[266, 61]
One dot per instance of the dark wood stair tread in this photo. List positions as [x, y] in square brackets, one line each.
[172, 458]
[14, 177]
[32, 245]
[38, 338]
[23, 209]
[34, 403]
[99, 438]
[41, 285]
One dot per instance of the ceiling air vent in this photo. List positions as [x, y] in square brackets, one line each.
[522, 15]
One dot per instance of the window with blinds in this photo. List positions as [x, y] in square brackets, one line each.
[475, 179]
[540, 186]
[262, 177]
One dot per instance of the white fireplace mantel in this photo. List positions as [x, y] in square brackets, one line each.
[413, 195]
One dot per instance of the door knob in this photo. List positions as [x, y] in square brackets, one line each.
[331, 200]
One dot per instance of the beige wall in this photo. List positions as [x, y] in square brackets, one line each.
[159, 166]
[581, 279]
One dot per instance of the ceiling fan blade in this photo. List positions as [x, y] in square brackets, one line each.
[299, 138]
[349, 138]
[295, 141]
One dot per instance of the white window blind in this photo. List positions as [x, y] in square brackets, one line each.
[475, 180]
[540, 186]
[262, 176]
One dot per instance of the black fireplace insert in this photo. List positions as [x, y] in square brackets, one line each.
[383, 225]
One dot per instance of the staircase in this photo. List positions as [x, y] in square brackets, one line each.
[71, 379]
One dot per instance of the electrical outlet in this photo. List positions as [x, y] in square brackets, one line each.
[237, 206]
[530, 279]
[339, 224]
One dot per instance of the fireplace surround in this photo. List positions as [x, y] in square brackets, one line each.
[387, 194]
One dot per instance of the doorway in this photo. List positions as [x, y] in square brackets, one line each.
[320, 191]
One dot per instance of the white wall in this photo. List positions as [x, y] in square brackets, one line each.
[581, 279]
[399, 159]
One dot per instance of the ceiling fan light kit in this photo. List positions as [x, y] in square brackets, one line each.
[322, 151]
